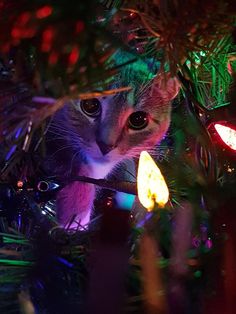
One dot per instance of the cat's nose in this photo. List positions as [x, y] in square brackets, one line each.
[104, 147]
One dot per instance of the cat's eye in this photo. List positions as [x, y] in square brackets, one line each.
[138, 120]
[91, 107]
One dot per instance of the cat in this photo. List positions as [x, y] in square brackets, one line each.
[92, 137]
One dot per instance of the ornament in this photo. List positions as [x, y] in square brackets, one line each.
[45, 186]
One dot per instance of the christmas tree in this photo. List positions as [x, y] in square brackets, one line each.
[177, 256]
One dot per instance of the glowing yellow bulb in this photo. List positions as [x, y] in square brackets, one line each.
[151, 184]
[227, 134]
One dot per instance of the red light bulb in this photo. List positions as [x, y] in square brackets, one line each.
[227, 134]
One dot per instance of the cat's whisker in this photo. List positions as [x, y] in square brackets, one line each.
[73, 141]
[65, 135]
[71, 138]
[60, 149]
[64, 130]
[55, 138]
[72, 160]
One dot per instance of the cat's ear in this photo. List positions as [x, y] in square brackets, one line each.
[165, 86]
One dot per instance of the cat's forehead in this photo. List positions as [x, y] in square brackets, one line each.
[132, 100]
[133, 97]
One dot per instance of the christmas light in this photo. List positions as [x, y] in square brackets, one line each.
[74, 56]
[227, 134]
[53, 58]
[44, 12]
[151, 184]
[79, 26]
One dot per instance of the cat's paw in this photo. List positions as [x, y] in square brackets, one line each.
[74, 204]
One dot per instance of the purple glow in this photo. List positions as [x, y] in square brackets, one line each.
[208, 243]
[146, 218]
[10, 153]
[19, 221]
[203, 228]
[39, 284]
[18, 132]
[203, 232]
[65, 262]
[44, 100]
[196, 242]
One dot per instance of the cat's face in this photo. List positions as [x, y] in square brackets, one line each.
[114, 128]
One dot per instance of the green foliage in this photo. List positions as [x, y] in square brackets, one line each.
[209, 74]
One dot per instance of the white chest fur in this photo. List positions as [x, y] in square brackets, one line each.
[99, 170]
